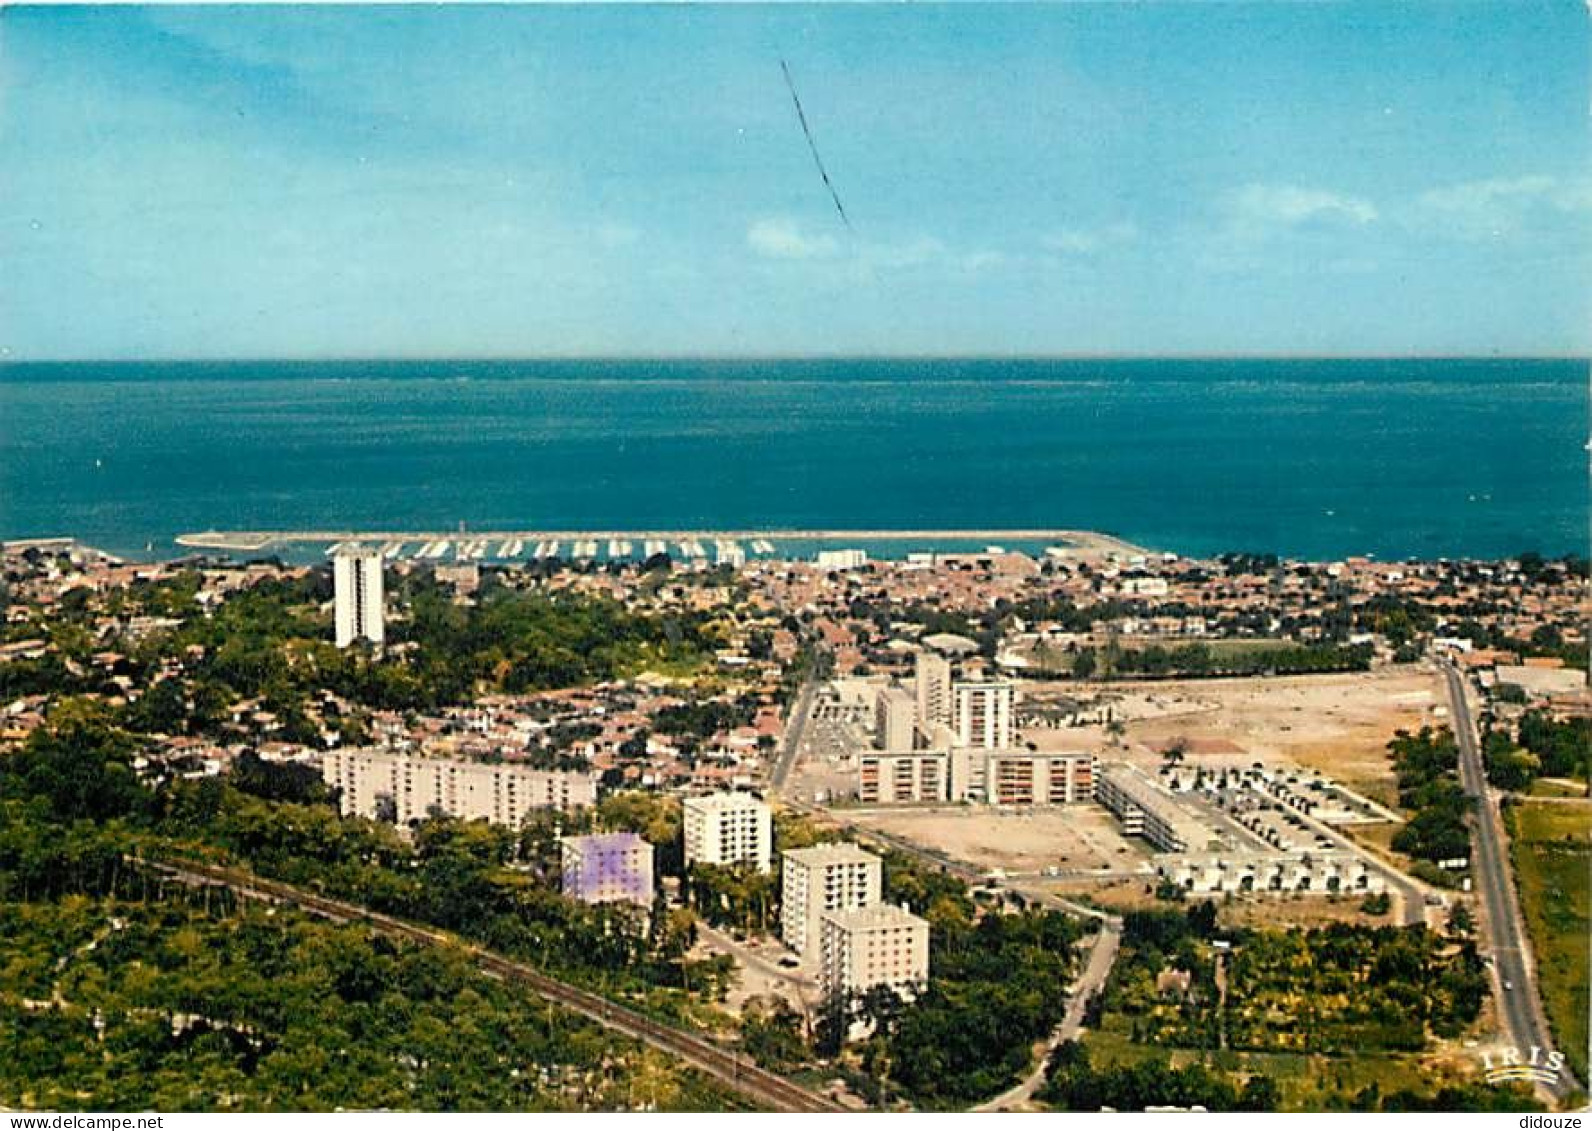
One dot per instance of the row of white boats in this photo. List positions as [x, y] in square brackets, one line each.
[726, 551]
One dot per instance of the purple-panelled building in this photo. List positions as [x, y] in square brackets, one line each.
[608, 868]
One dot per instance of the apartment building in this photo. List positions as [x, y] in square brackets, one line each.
[728, 828]
[903, 778]
[607, 868]
[1146, 809]
[408, 788]
[357, 597]
[894, 719]
[826, 877]
[984, 714]
[882, 945]
[931, 680]
[1023, 777]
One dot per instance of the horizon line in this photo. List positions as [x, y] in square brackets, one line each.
[858, 356]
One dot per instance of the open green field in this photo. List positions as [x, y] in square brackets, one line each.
[1246, 647]
[1307, 1082]
[1552, 847]
[1220, 646]
[1558, 787]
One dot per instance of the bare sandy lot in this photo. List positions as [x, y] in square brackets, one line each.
[1015, 841]
[1337, 724]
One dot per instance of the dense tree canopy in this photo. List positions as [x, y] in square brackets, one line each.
[167, 1004]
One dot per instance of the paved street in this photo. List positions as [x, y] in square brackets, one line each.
[795, 726]
[1514, 972]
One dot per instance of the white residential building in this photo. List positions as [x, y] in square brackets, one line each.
[728, 828]
[1322, 872]
[842, 559]
[1145, 587]
[358, 596]
[882, 945]
[894, 719]
[826, 877]
[407, 788]
[1146, 809]
[984, 714]
[931, 680]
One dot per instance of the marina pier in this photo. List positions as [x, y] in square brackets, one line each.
[690, 544]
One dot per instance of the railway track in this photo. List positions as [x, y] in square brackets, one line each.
[724, 1065]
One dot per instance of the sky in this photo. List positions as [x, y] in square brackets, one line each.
[1063, 179]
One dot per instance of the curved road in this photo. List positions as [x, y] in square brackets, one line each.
[1101, 958]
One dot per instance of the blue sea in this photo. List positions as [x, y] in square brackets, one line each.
[1457, 458]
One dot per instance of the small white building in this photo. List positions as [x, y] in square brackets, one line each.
[1145, 587]
[842, 559]
[1320, 873]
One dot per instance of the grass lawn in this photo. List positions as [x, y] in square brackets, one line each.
[1558, 787]
[1230, 648]
[1552, 847]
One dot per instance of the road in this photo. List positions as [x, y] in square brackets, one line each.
[800, 711]
[1519, 1007]
[724, 1065]
[1101, 958]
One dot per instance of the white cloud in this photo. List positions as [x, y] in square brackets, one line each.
[1090, 241]
[1498, 205]
[1487, 193]
[780, 238]
[1290, 205]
